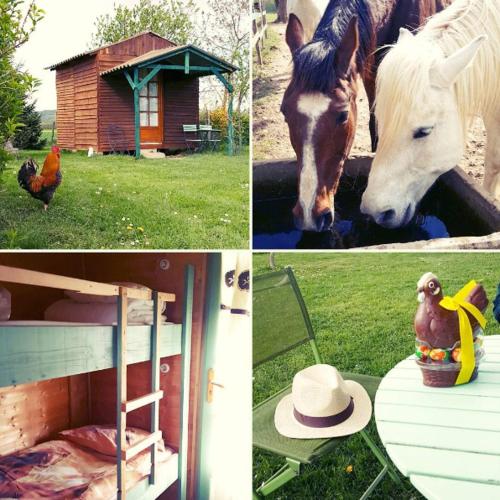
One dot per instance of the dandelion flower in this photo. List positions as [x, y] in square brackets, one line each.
[349, 469]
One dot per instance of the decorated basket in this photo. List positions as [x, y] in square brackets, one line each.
[440, 367]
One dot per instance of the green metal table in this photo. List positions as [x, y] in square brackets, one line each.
[445, 440]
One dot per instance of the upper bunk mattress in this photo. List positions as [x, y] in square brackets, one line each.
[60, 469]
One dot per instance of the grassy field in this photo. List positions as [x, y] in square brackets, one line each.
[187, 201]
[362, 309]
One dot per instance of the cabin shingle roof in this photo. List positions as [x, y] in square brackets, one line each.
[171, 51]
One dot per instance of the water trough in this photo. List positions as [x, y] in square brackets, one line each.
[455, 214]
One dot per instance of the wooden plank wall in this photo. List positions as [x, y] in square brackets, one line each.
[116, 107]
[65, 116]
[32, 413]
[138, 45]
[76, 85]
[85, 77]
[89, 398]
[145, 269]
[181, 107]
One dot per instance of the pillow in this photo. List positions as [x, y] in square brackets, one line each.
[89, 298]
[102, 438]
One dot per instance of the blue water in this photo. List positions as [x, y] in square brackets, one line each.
[274, 228]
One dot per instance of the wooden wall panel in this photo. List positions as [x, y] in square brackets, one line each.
[145, 269]
[116, 110]
[65, 116]
[33, 413]
[79, 400]
[30, 302]
[138, 45]
[85, 103]
[181, 107]
[103, 387]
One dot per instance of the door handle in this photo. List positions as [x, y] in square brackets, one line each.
[210, 385]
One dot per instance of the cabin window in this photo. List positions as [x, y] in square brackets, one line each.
[148, 102]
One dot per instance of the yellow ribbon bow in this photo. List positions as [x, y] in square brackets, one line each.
[459, 304]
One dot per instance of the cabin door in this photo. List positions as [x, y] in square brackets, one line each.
[151, 111]
[225, 452]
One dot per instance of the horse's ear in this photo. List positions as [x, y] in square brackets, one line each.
[443, 74]
[294, 33]
[404, 34]
[346, 51]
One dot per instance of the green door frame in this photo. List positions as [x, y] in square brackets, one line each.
[136, 84]
[187, 321]
[211, 316]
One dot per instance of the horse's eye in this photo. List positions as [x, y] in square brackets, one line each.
[342, 117]
[422, 132]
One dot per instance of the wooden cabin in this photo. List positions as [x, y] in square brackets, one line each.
[58, 376]
[131, 95]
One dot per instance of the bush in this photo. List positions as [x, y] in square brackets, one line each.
[241, 123]
[29, 136]
[219, 120]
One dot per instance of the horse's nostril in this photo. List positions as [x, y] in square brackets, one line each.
[386, 216]
[324, 221]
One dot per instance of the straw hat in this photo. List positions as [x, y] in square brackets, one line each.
[322, 405]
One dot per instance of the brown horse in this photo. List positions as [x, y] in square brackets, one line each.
[319, 104]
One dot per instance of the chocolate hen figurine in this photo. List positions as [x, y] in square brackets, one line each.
[437, 331]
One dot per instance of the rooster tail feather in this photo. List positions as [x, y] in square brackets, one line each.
[26, 173]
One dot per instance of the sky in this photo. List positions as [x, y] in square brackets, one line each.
[65, 31]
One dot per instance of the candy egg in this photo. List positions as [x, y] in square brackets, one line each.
[457, 354]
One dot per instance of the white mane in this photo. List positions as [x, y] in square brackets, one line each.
[403, 76]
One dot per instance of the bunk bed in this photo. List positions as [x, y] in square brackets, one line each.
[27, 354]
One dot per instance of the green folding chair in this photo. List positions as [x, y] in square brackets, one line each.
[281, 323]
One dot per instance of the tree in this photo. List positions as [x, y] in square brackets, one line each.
[226, 34]
[29, 136]
[16, 26]
[281, 11]
[171, 19]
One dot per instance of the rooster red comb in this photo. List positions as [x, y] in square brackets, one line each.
[55, 149]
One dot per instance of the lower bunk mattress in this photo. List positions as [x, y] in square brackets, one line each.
[60, 469]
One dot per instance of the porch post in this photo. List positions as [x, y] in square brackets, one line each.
[137, 117]
[230, 129]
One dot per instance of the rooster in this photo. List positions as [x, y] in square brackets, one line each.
[43, 186]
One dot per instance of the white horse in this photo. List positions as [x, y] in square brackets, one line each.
[429, 87]
[303, 19]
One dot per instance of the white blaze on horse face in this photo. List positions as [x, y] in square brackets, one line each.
[313, 105]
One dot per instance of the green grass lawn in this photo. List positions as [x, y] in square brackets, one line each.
[188, 201]
[362, 309]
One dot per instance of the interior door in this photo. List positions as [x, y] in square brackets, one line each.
[225, 444]
[151, 110]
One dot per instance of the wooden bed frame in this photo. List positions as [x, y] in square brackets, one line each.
[91, 348]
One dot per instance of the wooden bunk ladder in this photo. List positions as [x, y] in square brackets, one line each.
[124, 453]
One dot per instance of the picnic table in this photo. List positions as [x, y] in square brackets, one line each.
[202, 137]
[445, 440]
